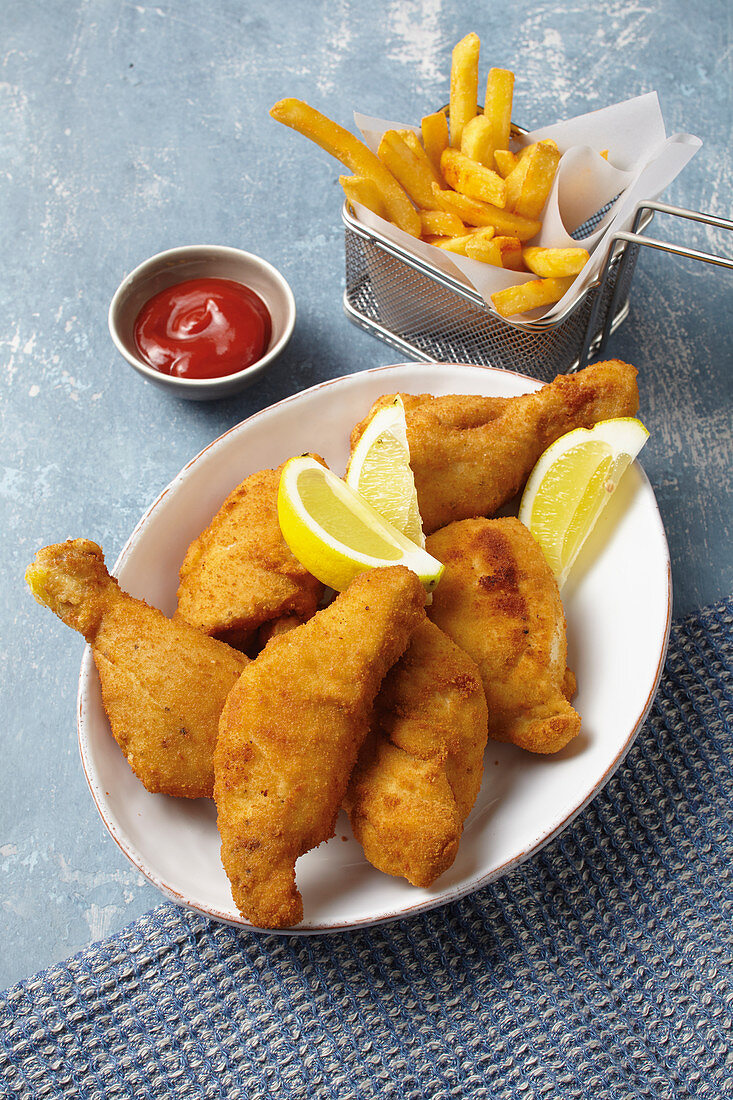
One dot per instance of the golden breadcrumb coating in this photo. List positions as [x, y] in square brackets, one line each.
[470, 455]
[420, 769]
[240, 573]
[499, 601]
[290, 733]
[163, 683]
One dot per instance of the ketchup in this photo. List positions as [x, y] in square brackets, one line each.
[203, 328]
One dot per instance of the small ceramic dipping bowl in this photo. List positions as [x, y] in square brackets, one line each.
[201, 262]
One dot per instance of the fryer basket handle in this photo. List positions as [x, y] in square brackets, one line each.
[634, 237]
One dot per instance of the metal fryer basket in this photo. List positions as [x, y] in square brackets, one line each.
[430, 316]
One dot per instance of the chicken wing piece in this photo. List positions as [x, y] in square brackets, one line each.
[420, 769]
[498, 600]
[470, 455]
[163, 683]
[290, 733]
[239, 573]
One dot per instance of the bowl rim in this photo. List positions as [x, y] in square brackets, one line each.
[180, 252]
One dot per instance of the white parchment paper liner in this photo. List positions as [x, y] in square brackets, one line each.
[642, 161]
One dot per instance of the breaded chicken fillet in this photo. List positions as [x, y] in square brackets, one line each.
[239, 574]
[163, 683]
[499, 601]
[419, 771]
[470, 455]
[290, 733]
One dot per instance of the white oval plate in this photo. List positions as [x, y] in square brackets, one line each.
[618, 606]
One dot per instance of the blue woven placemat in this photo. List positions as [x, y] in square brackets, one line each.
[601, 968]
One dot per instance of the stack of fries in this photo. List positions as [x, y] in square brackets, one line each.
[458, 185]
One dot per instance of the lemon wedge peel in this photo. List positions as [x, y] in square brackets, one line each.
[572, 482]
[336, 534]
[379, 469]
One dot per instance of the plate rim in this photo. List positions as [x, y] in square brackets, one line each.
[450, 895]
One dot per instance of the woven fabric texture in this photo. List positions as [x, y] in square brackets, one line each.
[601, 968]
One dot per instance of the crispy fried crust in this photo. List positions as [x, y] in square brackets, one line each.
[420, 770]
[470, 455]
[499, 601]
[163, 683]
[290, 733]
[239, 573]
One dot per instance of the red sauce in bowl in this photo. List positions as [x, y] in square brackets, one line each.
[203, 328]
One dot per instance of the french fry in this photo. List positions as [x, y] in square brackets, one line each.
[505, 161]
[454, 244]
[484, 233]
[529, 150]
[412, 141]
[498, 106]
[439, 223]
[434, 129]
[555, 262]
[541, 165]
[471, 178]
[475, 212]
[415, 145]
[522, 162]
[461, 244]
[365, 191]
[359, 159]
[511, 253]
[463, 86]
[414, 173]
[487, 251]
[514, 181]
[522, 153]
[520, 299]
[477, 138]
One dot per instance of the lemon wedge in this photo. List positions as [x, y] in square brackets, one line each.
[336, 534]
[380, 470]
[572, 481]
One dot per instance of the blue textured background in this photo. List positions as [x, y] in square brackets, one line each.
[129, 128]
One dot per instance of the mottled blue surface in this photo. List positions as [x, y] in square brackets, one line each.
[131, 128]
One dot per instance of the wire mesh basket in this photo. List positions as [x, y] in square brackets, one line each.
[430, 316]
[433, 317]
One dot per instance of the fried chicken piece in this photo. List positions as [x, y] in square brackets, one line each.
[275, 628]
[163, 683]
[470, 455]
[290, 733]
[499, 601]
[239, 573]
[420, 769]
